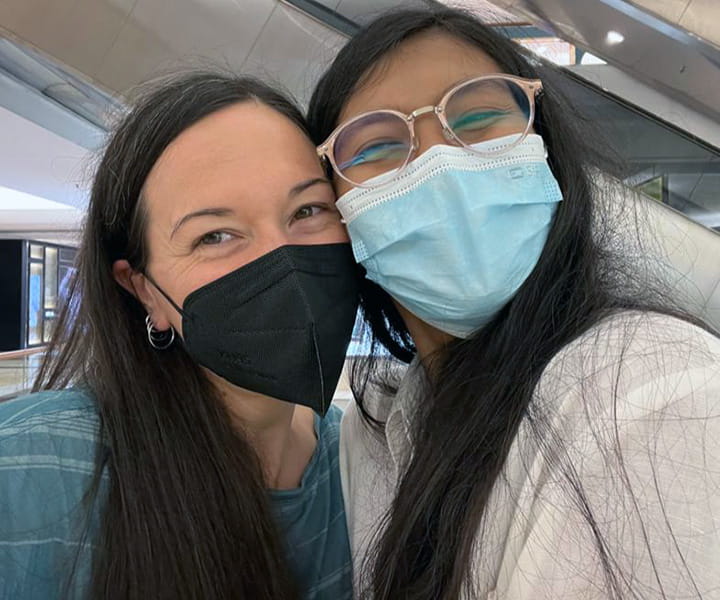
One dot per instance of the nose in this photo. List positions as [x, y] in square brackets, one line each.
[429, 132]
[270, 238]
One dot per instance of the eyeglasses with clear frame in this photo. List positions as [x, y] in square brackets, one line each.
[374, 147]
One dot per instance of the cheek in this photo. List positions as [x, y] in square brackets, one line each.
[334, 233]
[189, 278]
[341, 186]
[343, 234]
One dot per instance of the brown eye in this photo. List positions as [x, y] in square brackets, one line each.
[214, 238]
[306, 212]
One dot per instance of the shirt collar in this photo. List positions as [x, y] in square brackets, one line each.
[399, 417]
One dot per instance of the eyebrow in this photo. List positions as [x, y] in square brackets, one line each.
[205, 212]
[302, 186]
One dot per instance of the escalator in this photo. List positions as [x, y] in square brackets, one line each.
[666, 163]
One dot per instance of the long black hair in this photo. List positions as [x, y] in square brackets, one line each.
[482, 388]
[186, 514]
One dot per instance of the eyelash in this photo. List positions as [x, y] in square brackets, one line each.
[201, 240]
[321, 208]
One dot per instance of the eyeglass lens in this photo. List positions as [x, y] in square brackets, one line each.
[377, 145]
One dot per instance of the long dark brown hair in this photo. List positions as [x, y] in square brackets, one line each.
[468, 417]
[186, 514]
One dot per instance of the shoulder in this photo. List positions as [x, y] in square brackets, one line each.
[629, 334]
[659, 356]
[46, 404]
[641, 331]
[48, 444]
[626, 461]
[329, 425]
[637, 385]
[47, 439]
[49, 415]
[635, 403]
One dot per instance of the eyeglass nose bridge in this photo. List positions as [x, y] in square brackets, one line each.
[423, 110]
[437, 110]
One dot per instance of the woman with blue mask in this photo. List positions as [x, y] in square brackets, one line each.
[181, 443]
[555, 435]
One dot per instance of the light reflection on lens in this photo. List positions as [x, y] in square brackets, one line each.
[488, 109]
[372, 145]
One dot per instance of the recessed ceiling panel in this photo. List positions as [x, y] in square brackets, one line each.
[293, 49]
[161, 36]
[78, 33]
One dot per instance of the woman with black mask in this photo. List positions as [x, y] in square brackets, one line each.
[557, 433]
[185, 445]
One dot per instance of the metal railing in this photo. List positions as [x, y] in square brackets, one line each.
[17, 371]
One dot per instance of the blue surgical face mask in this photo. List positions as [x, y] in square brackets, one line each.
[455, 235]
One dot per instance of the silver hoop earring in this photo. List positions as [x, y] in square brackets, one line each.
[160, 340]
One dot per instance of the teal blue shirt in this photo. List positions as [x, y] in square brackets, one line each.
[48, 443]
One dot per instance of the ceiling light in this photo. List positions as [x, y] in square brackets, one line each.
[614, 37]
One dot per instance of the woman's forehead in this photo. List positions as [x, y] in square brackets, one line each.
[417, 73]
[229, 154]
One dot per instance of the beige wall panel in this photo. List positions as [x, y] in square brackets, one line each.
[368, 9]
[293, 49]
[670, 10]
[161, 35]
[77, 33]
[702, 17]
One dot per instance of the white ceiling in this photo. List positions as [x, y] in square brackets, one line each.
[38, 162]
[25, 216]
[43, 182]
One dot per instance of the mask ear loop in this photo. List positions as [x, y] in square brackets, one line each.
[168, 298]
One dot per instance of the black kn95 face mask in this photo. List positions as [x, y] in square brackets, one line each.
[280, 325]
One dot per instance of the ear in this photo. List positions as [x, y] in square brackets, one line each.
[139, 286]
[123, 272]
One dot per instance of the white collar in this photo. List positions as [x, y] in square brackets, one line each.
[400, 413]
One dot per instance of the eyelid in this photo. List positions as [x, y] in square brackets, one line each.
[198, 242]
[486, 113]
[304, 206]
[324, 209]
[376, 147]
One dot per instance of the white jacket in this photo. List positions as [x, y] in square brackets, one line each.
[636, 401]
